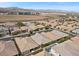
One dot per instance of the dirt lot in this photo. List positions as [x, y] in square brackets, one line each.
[6, 18]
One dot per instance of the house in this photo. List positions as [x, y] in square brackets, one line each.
[50, 36]
[40, 39]
[8, 48]
[76, 31]
[67, 48]
[3, 31]
[75, 39]
[59, 33]
[25, 45]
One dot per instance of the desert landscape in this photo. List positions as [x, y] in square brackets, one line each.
[38, 32]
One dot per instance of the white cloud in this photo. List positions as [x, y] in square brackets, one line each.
[6, 4]
[68, 8]
[59, 7]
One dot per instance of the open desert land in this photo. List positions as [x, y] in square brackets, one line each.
[13, 18]
[53, 13]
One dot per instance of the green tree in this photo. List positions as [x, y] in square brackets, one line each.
[48, 27]
[20, 24]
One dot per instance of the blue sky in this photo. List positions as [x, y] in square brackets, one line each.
[69, 6]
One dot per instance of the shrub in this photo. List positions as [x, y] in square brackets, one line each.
[16, 32]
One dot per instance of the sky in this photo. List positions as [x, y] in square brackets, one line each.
[68, 6]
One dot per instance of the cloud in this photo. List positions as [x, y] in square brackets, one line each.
[6, 4]
[68, 8]
[58, 6]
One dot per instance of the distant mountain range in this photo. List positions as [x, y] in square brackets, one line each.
[17, 9]
[14, 9]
